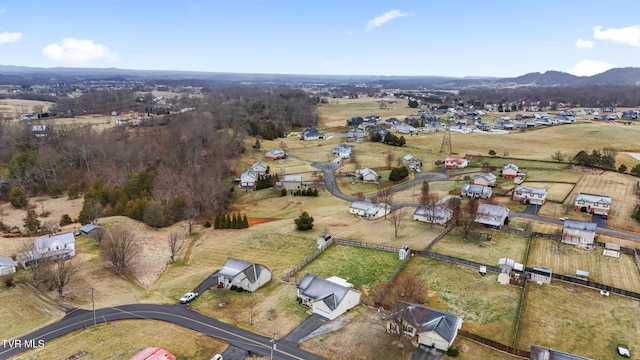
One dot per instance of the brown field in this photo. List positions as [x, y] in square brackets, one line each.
[556, 192]
[123, 339]
[14, 108]
[23, 312]
[337, 111]
[551, 312]
[502, 244]
[621, 273]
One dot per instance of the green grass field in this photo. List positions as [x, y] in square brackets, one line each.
[502, 244]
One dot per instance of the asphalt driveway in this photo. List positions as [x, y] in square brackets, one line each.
[427, 353]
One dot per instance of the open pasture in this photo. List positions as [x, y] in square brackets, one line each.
[337, 111]
[14, 108]
[595, 324]
[488, 308]
[566, 259]
[502, 244]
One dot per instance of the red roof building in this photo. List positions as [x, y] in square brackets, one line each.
[153, 353]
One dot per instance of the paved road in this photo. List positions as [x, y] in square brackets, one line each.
[175, 314]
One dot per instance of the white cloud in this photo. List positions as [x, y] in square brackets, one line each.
[628, 35]
[7, 37]
[589, 67]
[77, 51]
[584, 44]
[382, 19]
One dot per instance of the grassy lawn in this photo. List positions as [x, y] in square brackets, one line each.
[359, 266]
[556, 192]
[546, 175]
[23, 312]
[502, 244]
[566, 318]
[123, 339]
[487, 308]
[566, 259]
[477, 351]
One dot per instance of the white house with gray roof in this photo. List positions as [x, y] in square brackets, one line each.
[436, 214]
[7, 265]
[58, 246]
[529, 194]
[433, 328]
[292, 182]
[492, 215]
[486, 179]
[476, 191]
[592, 203]
[578, 232]
[542, 353]
[329, 297]
[369, 210]
[343, 151]
[243, 274]
[367, 175]
[260, 168]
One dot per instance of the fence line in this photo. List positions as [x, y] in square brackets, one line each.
[637, 259]
[437, 238]
[287, 277]
[495, 345]
[522, 296]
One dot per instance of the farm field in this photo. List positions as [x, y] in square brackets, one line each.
[361, 267]
[502, 244]
[108, 339]
[552, 311]
[487, 308]
[14, 108]
[23, 312]
[621, 273]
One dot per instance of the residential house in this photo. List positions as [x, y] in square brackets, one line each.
[276, 154]
[476, 191]
[436, 214]
[412, 162]
[540, 275]
[260, 168]
[492, 215]
[311, 133]
[91, 229]
[578, 232]
[153, 353]
[529, 194]
[403, 128]
[592, 203]
[455, 163]
[433, 328]
[242, 274]
[342, 151]
[248, 180]
[367, 175]
[369, 210]
[7, 265]
[58, 246]
[486, 179]
[329, 297]
[509, 171]
[382, 132]
[292, 182]
[542, 353]
[355, 134]
[355, 121]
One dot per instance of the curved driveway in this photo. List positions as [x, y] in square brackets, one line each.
[175, 314]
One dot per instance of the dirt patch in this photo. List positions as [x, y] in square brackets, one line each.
[256, 221]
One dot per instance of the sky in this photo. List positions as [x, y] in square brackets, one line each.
[458, 38]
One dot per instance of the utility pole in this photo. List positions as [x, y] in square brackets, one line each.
[93, 305]
[273, 345]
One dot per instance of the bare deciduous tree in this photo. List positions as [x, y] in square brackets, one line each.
[558, 155]
[468, 218]
[397, 218]
[174, 244]
[455, 204]
[61, 274]
[120, 248]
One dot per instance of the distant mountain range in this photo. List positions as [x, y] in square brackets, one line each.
[20, 75]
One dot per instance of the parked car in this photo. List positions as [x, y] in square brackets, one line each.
[188, 297]
[217, 357]
[623, 350]
[604, 293]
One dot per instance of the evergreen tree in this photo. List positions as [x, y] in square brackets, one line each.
[245, 222]
[227, 221]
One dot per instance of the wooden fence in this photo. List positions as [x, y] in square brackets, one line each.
[495, 345]
[288, 276]
[636, 258]
[365, 245]
[437, 238]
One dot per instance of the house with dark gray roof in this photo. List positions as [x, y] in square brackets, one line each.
[90, 229]
[329, 297]
[578, 232]
[7, 265]
[243, 274]
[311, 133]
[542, 353]
[529, 194]
[433, 328]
